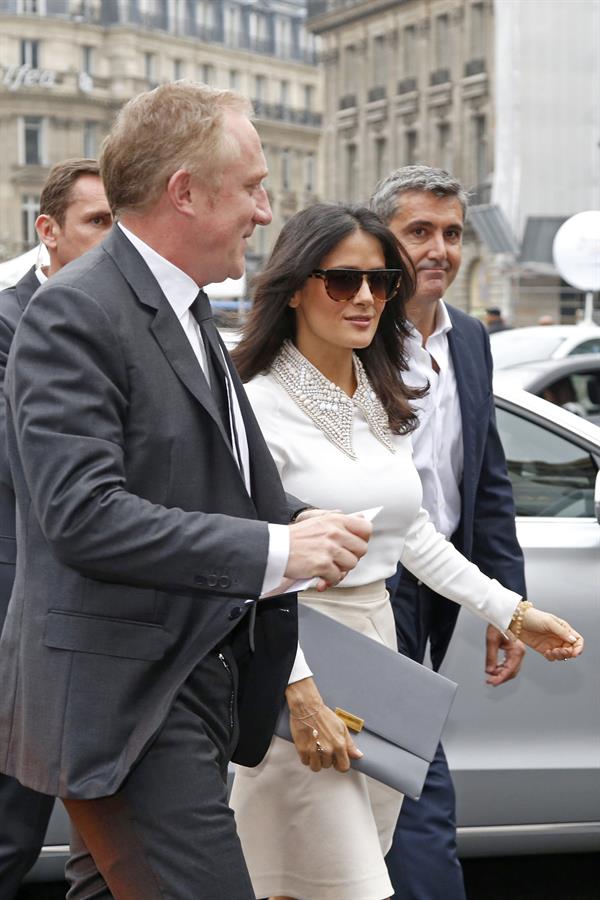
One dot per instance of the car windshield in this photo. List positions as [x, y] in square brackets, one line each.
[513, 348]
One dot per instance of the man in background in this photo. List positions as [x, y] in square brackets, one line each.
[466, 491]
[74, 216]
[494, 320]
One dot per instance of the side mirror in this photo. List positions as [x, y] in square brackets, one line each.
[597, 497]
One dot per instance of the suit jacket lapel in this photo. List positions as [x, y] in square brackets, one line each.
[26, 287]
[461, 359]
[165, 326]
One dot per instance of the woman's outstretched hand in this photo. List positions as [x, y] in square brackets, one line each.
[552, 637]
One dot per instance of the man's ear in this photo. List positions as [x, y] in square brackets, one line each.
[48, 230]
[179, 191]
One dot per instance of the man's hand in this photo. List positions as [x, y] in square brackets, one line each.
[500, 671]
[326, 546]
[332, 745]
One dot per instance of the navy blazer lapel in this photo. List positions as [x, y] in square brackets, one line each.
[463, 361]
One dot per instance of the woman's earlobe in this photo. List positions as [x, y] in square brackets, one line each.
[295, 300]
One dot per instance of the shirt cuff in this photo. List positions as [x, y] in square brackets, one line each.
[300, 669]
[277, 558]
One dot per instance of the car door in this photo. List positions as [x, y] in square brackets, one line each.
[526, 755]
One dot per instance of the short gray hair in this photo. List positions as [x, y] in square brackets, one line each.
[385, 197]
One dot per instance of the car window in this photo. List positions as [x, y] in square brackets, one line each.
[591, 346]
[578, 392]
[551, 476]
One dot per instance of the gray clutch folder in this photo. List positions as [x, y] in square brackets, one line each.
[404, 705]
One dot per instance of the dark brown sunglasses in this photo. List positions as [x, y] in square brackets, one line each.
[344, 284]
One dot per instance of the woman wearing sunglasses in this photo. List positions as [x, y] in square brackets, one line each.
[322, 352]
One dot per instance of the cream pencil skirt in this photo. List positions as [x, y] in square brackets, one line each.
[320, 835]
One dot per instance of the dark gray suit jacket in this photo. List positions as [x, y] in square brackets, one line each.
[13, 301]
[137, 540]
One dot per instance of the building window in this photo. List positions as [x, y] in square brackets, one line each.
[207, 73]
[90, 139]
[380, 158]
[232, 24]
[410, 151]
[87, 60]
[410, 51]
[351, 172]
[30, 53]
[480, 149]
[30, 210]
[444, 149]
[260, 88]
[150, 69]
[178, 69]
[285, 169]
[309, 173]
[33, 140]
[284, 93]
[379, 61]
[31, 7]
[234, 80]
[442, 42]
[350, 73]
[283, 36]
[477, 31]
[309, 97]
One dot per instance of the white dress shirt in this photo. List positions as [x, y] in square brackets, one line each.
[437, 442]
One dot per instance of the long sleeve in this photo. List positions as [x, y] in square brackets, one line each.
[442, 568]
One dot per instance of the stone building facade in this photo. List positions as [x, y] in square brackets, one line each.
[67, 66]
[503, 93]
[408, 82]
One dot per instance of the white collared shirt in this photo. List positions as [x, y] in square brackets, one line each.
[181, 291]
[437, 442]
[41, 275]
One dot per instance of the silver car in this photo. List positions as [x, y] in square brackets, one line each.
[526, 755]
[517, 346]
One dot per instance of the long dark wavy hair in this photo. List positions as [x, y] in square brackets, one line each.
[304, 241]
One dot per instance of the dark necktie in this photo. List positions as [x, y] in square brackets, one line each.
[201, 311]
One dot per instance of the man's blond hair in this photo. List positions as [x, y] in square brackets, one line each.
[175, 126]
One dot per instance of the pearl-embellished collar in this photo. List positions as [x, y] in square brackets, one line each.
[326, 404]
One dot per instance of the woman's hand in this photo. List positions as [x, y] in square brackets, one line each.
[320, 737]
[552, 637]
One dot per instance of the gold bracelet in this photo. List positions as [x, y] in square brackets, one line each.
[516, 623]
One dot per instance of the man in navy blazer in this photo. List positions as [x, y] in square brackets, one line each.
[466, 491]
[137, 656]
[74, 216]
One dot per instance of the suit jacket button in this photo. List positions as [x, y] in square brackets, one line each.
[199, 579]
[211, 581]
[224, 581]
[235, 612]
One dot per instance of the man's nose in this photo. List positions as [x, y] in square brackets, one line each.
[437, 246]
[264, 214]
